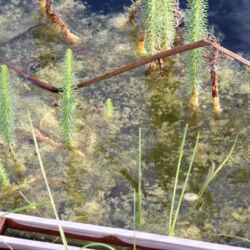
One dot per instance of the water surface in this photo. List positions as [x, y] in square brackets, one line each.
[94, 182]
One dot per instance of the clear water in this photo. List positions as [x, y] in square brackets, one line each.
[94, 183]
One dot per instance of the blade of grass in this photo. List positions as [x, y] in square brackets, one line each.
[31, 205]
[65, 244]
[225, 160]
[98, 245]
[139, 196]
[134, 219]
[176, 179]
[184, 187]
[234, 237]
[215, 172]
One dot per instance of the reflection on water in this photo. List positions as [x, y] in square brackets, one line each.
[94, 182]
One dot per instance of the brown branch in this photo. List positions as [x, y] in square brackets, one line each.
[145, 61]
[231, 54]
[136, 64]
[34, 80]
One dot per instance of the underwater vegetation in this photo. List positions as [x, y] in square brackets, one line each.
[68, 99]
[196, 29]
[7, 114]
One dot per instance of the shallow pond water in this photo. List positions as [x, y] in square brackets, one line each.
[94, 183]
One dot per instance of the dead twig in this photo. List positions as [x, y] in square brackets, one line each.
[136, 64]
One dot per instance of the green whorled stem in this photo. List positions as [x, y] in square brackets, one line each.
[108, 109]
[196, 29]
[68, 99]
[7, 114]
[167, 23]
[152, 23]
[4, 179]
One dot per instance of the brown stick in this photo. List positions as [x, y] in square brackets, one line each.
[144, 61]
[34, 80]
[136, 64]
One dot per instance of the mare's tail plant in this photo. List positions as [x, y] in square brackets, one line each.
[4, 179]
[151, 18]
[159, 24]
[108, 109]
[68, 99]
[167, 23]
[196, 30]
[7, 114]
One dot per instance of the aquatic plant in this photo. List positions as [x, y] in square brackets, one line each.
[68, 99]
[139, 191]
[167, 23]
[7, 114]
[32, 205]
[47, 185]
[213, 172]
[4, 179]
[108, 109]
[151, 13]
[196, 29]
[98, 245]
[158, 25]
[176, 180]
[172, 221]
[134, 218]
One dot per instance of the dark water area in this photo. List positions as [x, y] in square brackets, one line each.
[229, 19]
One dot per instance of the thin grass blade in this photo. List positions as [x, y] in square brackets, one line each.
[47, 186]
[176, 179]
[184, 186]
